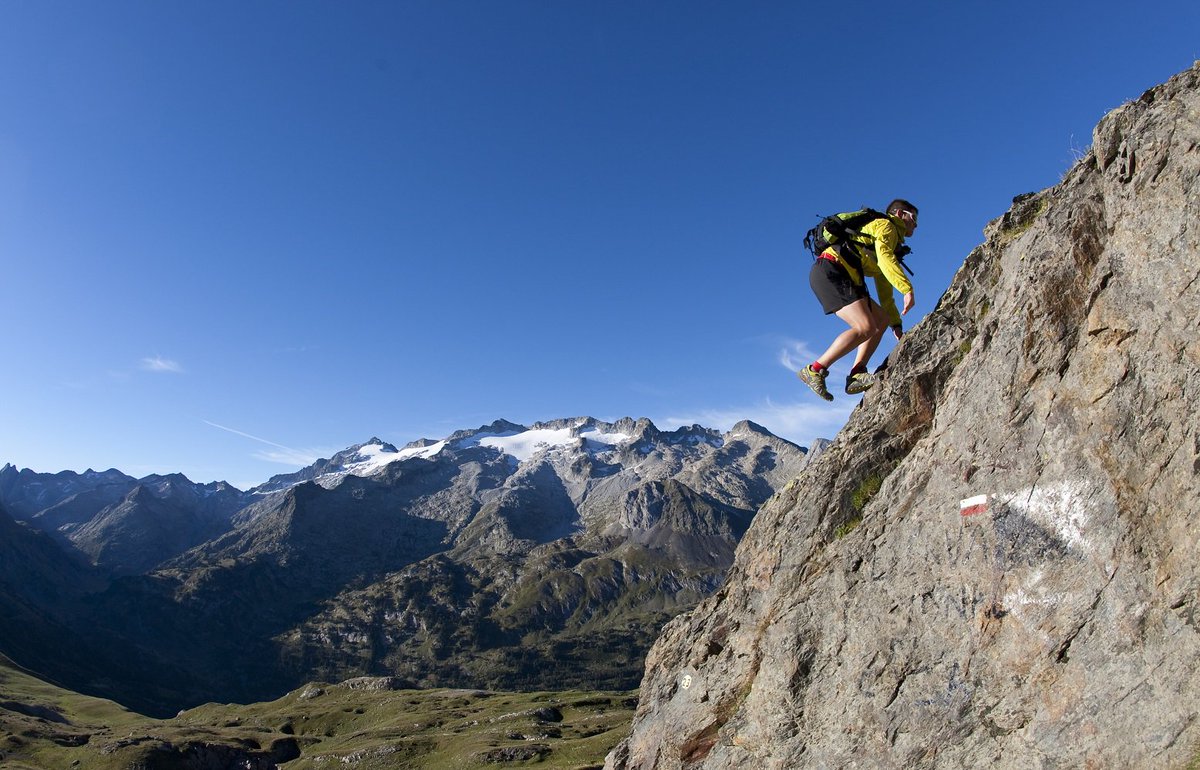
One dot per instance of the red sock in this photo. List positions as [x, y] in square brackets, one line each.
[818, 366]
[859, 369]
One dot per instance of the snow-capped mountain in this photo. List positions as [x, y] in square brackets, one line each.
[518, 442]
[493, 556]
[358, 460]
[505, 556]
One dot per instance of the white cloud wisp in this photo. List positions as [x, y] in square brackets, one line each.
[281, 454]
[796, 354]
[160, 364]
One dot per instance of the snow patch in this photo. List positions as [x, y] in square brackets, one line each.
[421, 451]
[607, 439]
[524, 445]
[373, 458]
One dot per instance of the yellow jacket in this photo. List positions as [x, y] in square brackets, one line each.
[877, 250]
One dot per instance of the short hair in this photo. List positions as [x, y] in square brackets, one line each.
[900, 205]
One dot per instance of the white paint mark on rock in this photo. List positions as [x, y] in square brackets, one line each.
[1031, 601]
[1062, 506]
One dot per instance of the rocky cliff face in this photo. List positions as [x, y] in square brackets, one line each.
[1001, 565]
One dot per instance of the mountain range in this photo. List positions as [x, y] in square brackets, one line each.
[506, 556]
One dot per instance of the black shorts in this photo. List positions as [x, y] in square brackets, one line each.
[833, 286]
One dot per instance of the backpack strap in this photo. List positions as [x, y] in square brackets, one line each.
[843, 233]
[850, 228]
[847, 230]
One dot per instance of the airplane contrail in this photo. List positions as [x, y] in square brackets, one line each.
[255, 438]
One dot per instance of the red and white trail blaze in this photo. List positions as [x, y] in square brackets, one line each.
[974, 506]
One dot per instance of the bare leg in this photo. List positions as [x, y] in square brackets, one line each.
[867, 348]
[867, 326]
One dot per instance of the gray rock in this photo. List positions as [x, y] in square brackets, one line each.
[376, 683]
[1004, 568]
[508, 754]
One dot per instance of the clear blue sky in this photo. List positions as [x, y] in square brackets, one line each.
[236, 236]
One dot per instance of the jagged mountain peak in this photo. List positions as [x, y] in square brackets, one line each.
[499, 427]
[375, 441]
[359, 452]
[27, 493]
[360, 460]
[519, 442]
[531, 483]
[166, 479]
[747, 426]
[748, 430]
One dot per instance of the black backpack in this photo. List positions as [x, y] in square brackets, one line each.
[837, 231]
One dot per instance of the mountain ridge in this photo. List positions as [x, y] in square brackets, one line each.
[506, 555]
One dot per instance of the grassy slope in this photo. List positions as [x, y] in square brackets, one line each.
[43, 726]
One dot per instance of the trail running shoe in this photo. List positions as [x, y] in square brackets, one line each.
[857, 383]
[815, 380]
